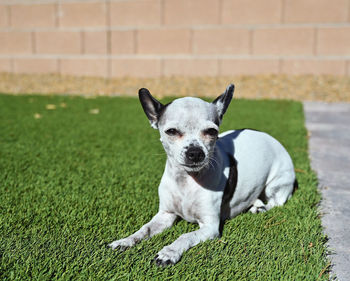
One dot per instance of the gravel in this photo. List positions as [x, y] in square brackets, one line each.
[304, 87]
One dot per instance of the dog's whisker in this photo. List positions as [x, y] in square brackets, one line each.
[213, 160]
[211, 165]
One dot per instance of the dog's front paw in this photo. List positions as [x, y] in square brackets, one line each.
[122, 244]
[167, 256]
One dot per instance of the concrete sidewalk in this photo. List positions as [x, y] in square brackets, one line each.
[329, 148]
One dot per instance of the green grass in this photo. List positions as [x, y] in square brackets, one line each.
[72, 181]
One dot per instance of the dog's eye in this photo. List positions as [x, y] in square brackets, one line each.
[211, 132]
[173, 132]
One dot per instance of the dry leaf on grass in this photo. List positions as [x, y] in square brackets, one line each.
[50, 106]
[94, 111]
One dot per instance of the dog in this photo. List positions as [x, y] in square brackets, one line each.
[208, 177]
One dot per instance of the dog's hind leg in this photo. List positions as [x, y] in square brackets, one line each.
[277, 196]
[258, 207]
[275, 193]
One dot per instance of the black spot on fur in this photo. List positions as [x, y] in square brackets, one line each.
[230, 188]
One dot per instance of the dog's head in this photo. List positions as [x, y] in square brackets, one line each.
[188, 126]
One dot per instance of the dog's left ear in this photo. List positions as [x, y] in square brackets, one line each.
[151, 107]
[223, 101]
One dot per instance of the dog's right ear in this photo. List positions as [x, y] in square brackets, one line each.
[151, 107]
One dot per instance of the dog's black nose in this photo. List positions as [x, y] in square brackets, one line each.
[195, 154]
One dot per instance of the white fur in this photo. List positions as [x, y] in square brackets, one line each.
[263, 166]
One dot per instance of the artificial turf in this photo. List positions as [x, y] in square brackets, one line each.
[86, 172]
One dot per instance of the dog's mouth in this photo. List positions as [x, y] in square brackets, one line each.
[194, 167]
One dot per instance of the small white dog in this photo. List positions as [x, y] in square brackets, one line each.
[209, 178]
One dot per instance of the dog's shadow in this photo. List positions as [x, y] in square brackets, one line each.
[231, 181]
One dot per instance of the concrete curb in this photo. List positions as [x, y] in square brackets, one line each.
[329, 149]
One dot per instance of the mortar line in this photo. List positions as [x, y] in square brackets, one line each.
[59, 67]
[191, 41]
[56, 66]
[33, 39]
[109, 62]
[82, 42]
[12, 65]
[109, 38]
[221, 12]
[280, 65]
[315, 45]
[162, 9]
[194, 27]
[56, 15]
[251, 41]
[162, 67]
[108, 14]
[182, 56]
[347, 68]
[9, 16]
[283, 11]
[219, 65]
[26, 2]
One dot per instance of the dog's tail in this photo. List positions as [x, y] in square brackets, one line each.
[295, 185]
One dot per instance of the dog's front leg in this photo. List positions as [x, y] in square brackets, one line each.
[157, 224]
[171, 254]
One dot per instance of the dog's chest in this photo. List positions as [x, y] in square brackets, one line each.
[185, 200]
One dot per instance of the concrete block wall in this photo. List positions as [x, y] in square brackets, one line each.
[151, 38]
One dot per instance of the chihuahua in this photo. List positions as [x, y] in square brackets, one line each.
[209, 177]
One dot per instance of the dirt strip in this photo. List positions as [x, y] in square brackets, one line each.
[304, 87]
